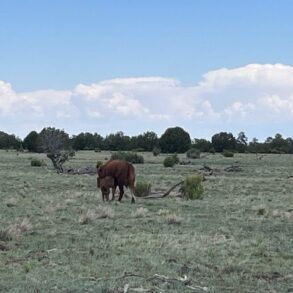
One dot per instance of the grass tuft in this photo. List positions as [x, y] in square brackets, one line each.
[106, 213]
[139, 213]
[173, 219]
[5, 235]
[87, 217]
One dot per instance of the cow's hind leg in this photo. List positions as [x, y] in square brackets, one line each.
[121, 192]
[132, 194]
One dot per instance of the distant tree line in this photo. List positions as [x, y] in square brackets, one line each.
[173, 140]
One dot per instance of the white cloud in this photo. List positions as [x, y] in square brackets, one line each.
[278, 105]
[233, 99]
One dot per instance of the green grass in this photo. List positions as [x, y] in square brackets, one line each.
[59, 236]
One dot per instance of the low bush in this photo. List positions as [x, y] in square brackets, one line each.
[97, 150]
[36, 162]
[156, 151]
[142, 189]
[138, 150]
[192, 187]
[169, 161]
[128, 156]
[193, 154]
[176, 159]
[228, 154]
[71, 153]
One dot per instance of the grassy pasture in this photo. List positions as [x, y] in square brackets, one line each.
[57, 235]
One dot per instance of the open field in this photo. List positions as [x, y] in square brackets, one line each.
[57, 235]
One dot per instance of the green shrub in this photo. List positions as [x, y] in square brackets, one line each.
[176, 159]
[169, 161]
[156, 151]
[97, 150]
[228, 154]
[71, 153]
[212, 150]
[142, 189]
[138, 150]
[36, 162]
[193, 153]
[128, 157]
[192, 187]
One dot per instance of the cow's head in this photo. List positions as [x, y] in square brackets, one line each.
[101, 171]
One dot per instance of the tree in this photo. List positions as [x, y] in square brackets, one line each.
[147, 141]
[241, 142]
[175, 140]
[223, 141]
[289, 141]
[86, 141]
[31, 141]
[117, 142]
[9, 141]
[279, 144]
[202, 145]
[55, 143]
[257, 147]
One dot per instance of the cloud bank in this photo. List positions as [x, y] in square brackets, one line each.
[255, 98]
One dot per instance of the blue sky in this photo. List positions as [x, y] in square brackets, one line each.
[49, 49]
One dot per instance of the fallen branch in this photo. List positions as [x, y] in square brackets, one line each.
[233, 168]
[259, 157]
[157, 195]
[172, 188]
[185, 281]
[206, 168]
[205, 156]
[80, 171]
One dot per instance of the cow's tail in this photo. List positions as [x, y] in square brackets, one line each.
[131, 181]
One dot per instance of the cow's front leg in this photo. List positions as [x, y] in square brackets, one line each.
[113, 193]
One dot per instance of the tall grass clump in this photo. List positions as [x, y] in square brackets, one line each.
[192, 187]
[5, 235]
[142, 189]
[128, 157]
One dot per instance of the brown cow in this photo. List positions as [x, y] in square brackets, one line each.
[105, 184]
[123, 174]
